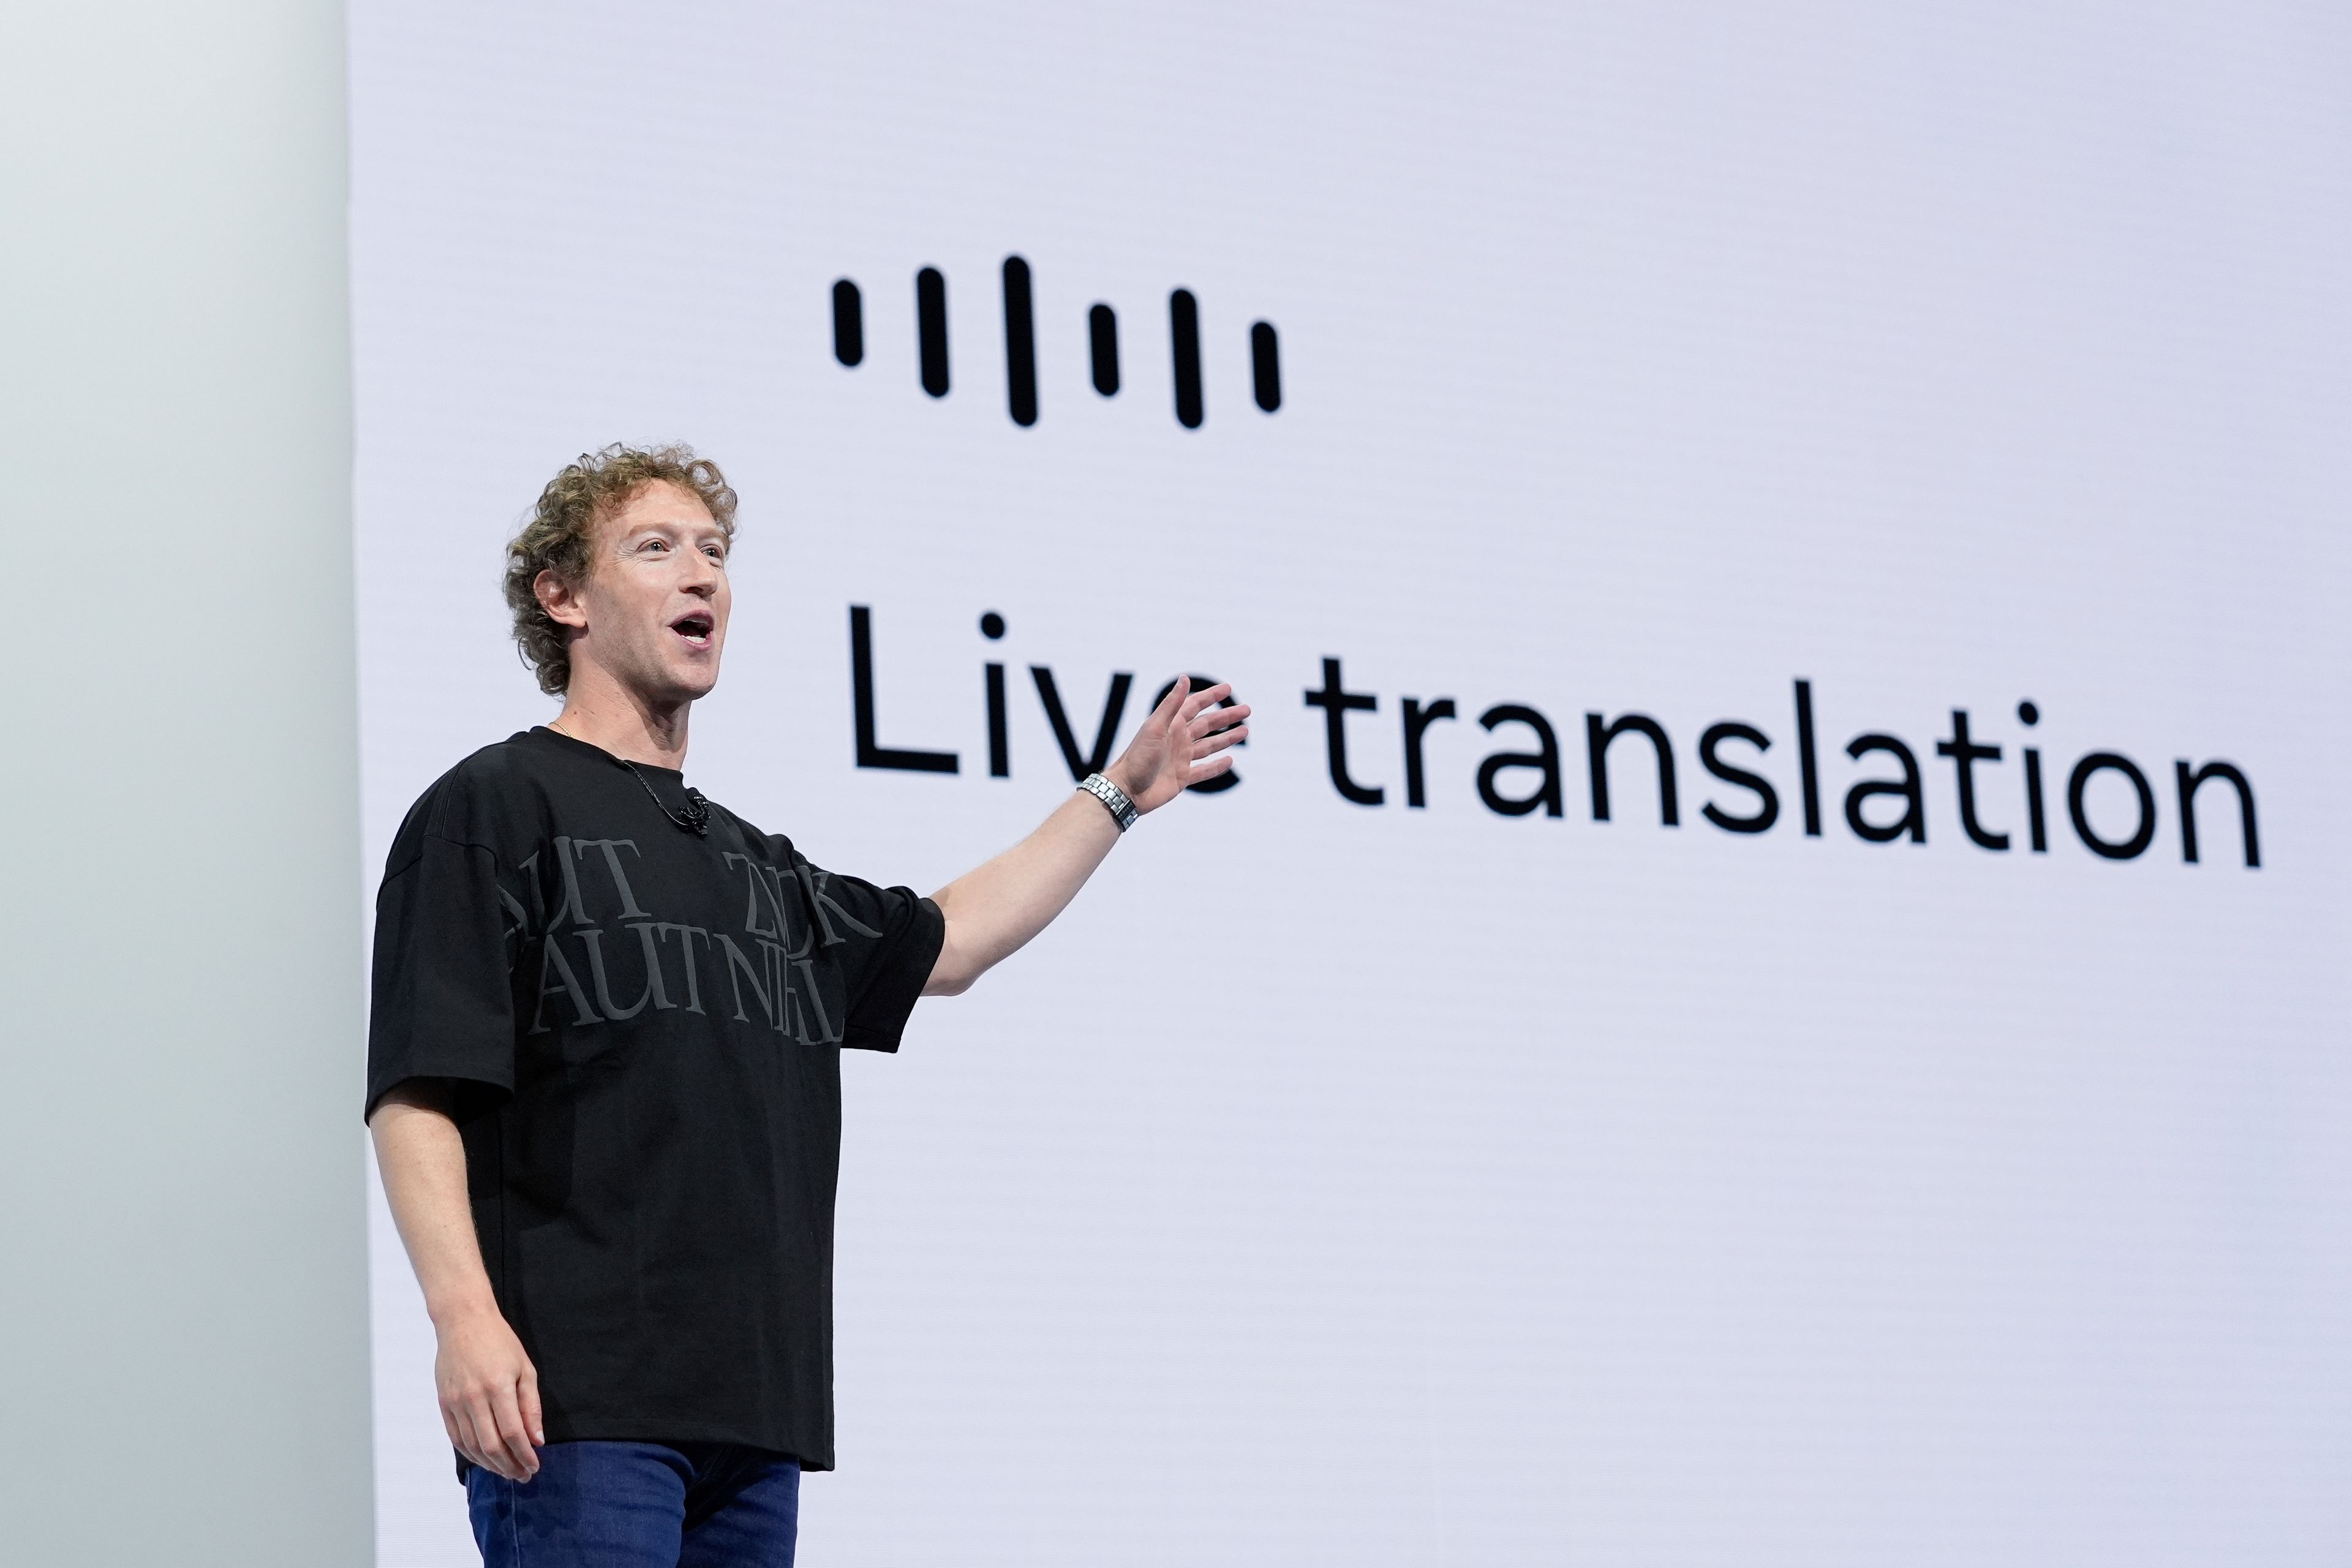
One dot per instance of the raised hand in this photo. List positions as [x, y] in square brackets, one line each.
[995, 909]
[1183, 743]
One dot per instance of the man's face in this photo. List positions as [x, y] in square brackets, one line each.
[653, 613]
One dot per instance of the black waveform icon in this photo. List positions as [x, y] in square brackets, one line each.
[932, 329]
[848, 324]
[1266, 367]
[1102, 337]
[1021, 344]
[1184, 340]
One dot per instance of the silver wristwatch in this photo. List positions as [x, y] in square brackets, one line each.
[1122, 810]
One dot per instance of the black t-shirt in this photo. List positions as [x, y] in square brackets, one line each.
[642, 1027]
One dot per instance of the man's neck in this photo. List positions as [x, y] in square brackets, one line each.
[605, 714]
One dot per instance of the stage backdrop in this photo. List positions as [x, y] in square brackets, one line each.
[1773, 987]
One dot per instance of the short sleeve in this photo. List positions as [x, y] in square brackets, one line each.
[442, 999]
[889, 939]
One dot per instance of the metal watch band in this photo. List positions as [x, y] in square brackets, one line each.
[1122, 810]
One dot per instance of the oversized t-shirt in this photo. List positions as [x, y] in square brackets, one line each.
[643, 1028]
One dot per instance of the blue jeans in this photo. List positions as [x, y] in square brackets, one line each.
[640, 1505]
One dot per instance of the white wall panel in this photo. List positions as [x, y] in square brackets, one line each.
[183, 1276]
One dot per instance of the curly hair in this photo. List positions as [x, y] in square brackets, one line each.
[560, 535]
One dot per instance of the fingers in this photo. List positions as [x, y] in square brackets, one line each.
[1219, 718]
[489, 1452]
[472, 1422]
[1197, 701]
[461, 1432]
[490, 1395]
[1173, 707]
[1211, 769]
[1209, 746]
[458, 1439]
[1211, 716]
[513, 1437]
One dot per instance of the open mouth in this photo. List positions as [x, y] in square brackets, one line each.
[695, 628]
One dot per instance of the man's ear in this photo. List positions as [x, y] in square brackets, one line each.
[556, 597]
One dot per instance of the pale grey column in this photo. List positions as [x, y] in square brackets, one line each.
[182, 1300]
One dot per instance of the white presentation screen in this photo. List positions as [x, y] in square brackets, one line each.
[1773, 989]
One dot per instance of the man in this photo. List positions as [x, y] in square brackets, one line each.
[604, 1077]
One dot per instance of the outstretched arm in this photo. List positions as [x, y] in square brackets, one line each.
[993, 909]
